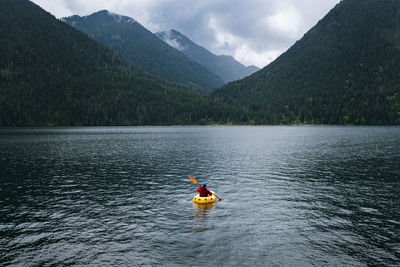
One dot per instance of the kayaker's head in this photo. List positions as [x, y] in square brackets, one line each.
[204, 184]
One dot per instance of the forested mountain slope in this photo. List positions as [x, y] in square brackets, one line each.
[53, 74]
[132, 41]
[346, 69]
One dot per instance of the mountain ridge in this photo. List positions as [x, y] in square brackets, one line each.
[345, 70]
[138, 45]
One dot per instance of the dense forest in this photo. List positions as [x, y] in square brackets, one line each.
[345, 70]
[135, 43]
[53, 74]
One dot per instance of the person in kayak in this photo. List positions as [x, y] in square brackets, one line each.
[203, 191]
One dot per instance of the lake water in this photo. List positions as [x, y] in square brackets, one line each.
[294, 196]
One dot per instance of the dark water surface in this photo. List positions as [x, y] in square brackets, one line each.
[294, 196]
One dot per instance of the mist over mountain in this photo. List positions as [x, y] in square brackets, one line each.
[224, 66]
[346, 69]
[135, 43]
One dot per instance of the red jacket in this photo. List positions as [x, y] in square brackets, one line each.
[203, 191]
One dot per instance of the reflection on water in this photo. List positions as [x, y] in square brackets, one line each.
[203, 206]
[200, 217]
[294, 196]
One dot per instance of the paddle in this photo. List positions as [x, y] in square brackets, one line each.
[194, 181]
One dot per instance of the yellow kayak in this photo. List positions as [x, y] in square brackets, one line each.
[202, 200]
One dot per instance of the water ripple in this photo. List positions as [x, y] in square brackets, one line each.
[294, 196]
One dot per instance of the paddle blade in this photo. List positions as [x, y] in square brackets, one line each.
[193, 180]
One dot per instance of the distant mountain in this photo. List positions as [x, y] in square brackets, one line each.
[225, 67]
[135, 43]
[346, 69]
[53, 74]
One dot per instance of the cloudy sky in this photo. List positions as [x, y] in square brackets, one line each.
[255, 32]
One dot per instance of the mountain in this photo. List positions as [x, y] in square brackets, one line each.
[225, 67]
[132, 41]
[53, 74]
[345, 70]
